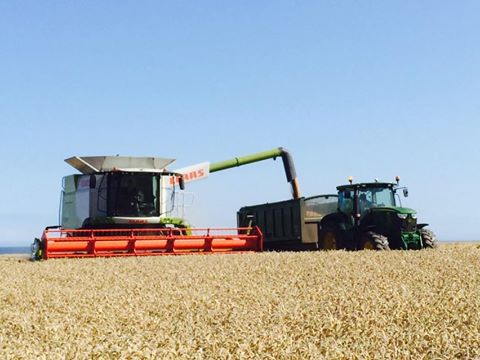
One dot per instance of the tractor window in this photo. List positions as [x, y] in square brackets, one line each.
[365, 200]
[345, 201]
[373, 197]
[384, 197]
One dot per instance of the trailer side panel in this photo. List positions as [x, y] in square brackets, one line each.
[282, 223]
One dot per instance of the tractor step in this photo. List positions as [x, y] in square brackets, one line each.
[67, 243]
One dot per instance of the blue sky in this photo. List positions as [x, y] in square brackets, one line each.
[370, 89]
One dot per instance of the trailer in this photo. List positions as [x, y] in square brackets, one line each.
[360, 216]
[291, 224]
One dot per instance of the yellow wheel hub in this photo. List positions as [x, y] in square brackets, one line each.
[330, 241]
[368, 245]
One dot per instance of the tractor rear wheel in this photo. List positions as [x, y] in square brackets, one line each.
[329, 238]
[428, 238]
[373, 241]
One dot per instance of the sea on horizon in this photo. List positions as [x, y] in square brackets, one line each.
[14, 250]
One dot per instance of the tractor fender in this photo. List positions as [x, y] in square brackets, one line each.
[369, 228]
[338, 220]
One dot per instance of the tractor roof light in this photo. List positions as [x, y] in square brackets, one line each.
[350, 179]
[397, 179]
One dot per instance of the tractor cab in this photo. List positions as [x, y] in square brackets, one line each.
[357, 199]
[373, 207]
[370, 215]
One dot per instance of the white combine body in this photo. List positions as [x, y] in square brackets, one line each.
[116, 190]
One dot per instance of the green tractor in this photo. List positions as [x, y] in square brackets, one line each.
[368, 217]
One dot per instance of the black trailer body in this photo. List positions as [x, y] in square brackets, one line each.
[291, 224]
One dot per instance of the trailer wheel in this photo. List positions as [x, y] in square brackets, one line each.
[330, 238]
[428, 238]
[373, 241]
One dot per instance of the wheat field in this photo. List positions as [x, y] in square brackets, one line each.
[305, 305]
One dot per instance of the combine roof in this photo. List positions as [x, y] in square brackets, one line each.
[96, 164]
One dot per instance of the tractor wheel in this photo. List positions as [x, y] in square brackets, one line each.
[373, 241]
[428, 238]
[329, 238]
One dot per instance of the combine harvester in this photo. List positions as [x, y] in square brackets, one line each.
[117, 206]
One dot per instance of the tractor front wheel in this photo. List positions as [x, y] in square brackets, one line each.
[429, 239]
[373, 241]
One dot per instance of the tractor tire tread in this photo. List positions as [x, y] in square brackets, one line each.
[380, 242]
[428, 238]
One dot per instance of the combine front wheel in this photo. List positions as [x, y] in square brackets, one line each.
[374, 241]
[428, 238]
[37, 250]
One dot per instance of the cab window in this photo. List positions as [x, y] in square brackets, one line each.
[345, 201]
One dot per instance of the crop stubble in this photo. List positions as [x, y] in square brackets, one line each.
[351, 305]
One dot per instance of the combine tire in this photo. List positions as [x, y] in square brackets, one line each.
[37, 250]
[330, 238]
[374, 241]
[428, 238]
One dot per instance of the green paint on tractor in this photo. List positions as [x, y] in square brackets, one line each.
[370, 216]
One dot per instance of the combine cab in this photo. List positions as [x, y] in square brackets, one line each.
[120, 206]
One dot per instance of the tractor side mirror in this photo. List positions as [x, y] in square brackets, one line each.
[181, 183]
[93, 181]
[405, 192]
